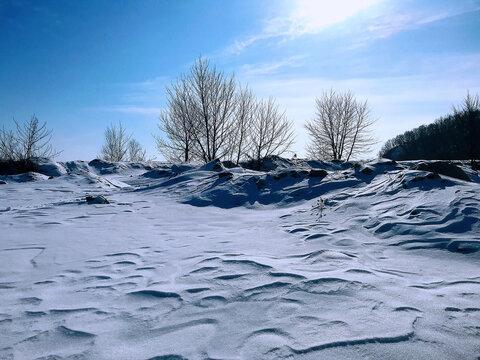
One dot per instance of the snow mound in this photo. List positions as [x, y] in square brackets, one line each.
[269, 163]
[214, 165]
[25, 177]
[76, 166]
[411, 209]
[287, 183]
[49, 167]
[44, 166]
[443, 168]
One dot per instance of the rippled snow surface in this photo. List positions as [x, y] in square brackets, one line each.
[204, 262]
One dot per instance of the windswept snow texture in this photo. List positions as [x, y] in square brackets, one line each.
[303, 260]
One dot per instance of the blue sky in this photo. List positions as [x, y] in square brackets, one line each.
[81, 65]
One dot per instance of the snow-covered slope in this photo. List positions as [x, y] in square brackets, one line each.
[300, 259]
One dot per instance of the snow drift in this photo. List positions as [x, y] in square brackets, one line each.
[296, 259]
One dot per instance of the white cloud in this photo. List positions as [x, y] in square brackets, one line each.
[378, 19]
[305, 17]
[395, 21]
[312, 16]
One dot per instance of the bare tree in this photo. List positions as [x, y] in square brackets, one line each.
[246, 108]
[8, 145]
[470, 104]
[177, 123]
[469, 110]
[27, 141]
[213, 102]
[116, 143]
[199, 118]
[136, 152]
[33, 140]
[271, 131]
[208, 116]
[341, 128]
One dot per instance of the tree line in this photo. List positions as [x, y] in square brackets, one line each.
[452, 137]
[209, 115]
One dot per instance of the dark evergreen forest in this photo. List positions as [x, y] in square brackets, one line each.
[452, 137]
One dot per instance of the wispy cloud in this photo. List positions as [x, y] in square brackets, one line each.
[272, 67]
[144, 93]
[145, 97]
[393, 20]
[305, 17]
[376, 19]
[150, 84]
[130, 109]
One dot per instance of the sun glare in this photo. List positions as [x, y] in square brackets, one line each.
[311, 16]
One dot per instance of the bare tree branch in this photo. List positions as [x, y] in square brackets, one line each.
[136, 152]
[271, 132]
[242, 128]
